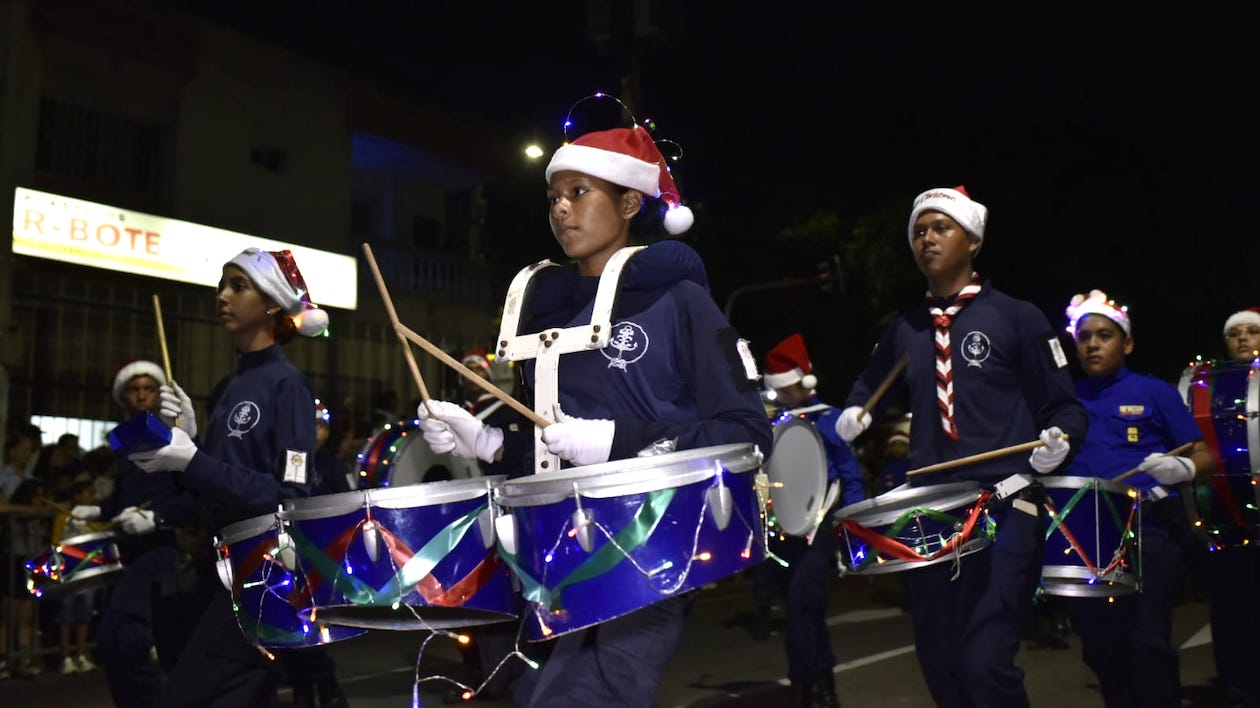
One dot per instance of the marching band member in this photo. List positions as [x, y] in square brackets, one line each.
[690, 383]
[145, 508]
[985, 371]
[257, 449]
[1231, 571]
[811, 564]
[1133, 420]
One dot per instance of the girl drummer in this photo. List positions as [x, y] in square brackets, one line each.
[694, 384]
[256, 450]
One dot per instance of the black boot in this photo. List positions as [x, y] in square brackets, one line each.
[331, 695]
[826, 685]
[802, 694]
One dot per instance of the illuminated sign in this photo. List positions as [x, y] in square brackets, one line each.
[101, 236]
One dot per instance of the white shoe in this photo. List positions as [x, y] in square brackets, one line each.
[85, 664]
[68, 666]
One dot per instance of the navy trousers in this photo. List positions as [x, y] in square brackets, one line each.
[806, 637]
[125, 636]
[967, 629]
[616, 663]
[1231, 580]
[1127, 641]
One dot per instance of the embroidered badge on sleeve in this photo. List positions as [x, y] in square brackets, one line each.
[1056, 352]
[295, 467]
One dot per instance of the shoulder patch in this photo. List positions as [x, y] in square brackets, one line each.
[1055, 349]
[739, 360]
[295, 466]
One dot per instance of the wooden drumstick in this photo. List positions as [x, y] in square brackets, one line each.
[883, 385]
[161, 330]
[980, 457]
[473, 376]
[393, 319]
[1175, 451]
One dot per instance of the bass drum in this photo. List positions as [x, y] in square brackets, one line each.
[797, 469]
[397, 455]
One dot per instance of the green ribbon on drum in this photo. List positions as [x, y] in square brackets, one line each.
[625, 542]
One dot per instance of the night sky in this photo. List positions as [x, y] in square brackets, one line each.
[1110, 145]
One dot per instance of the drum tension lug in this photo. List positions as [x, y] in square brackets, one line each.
[720, 505]
[584, 528]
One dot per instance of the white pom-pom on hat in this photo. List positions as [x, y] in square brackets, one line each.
[627, 157]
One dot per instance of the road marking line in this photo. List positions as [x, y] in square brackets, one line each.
[863, 661]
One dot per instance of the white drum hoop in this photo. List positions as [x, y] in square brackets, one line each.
[405, 497]
[636, 475]
[797, 469]
[889, 506]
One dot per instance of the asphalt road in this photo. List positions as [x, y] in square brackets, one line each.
[718, 665]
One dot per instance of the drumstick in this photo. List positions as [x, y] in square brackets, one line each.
[473, 376]
[981, 457]
[1175, 451]
[883, 385]
[161, 329]
[393, 319]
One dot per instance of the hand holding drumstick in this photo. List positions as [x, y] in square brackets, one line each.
[854, 419]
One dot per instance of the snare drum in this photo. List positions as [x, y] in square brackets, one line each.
[592, 543]
[913, 527]
[1224, 398]
[797, 470]
[256, 564]
[82, 562]
[1091, 542]
[397, 455]
[421, 556]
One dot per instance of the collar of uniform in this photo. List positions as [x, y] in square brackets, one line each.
[249, 360]
[1097, 384]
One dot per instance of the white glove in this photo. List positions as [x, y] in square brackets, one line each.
[1052, 453]
[1168, 469]
[84, 512]
[173, 457]
[449, 428]
[175, 404]
[136, 521]
[850, 425]
[579, 440]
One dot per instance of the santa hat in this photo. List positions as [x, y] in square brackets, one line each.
[132, 369]
[322, 414]
[276, 274]
[788, 363]
[1249, 316]
[954, 203]
[1097, 303]
[475, 358]
[627, 157]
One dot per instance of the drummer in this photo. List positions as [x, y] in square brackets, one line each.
[811, 561]
[1231, 572]
[145, 509]
[257, 449]
[1133, 420]
[985, 372]
[693, 383]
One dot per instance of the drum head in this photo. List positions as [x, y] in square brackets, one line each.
[798, 476]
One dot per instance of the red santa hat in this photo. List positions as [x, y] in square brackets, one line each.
[132, 369]
[1249, 316]
[276, 274]
[627, 157]
[788, 363]
[954, 203]
[475, 358]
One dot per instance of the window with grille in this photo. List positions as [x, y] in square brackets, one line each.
[95, 148]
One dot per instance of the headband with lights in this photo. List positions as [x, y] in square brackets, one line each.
[1097, 303]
